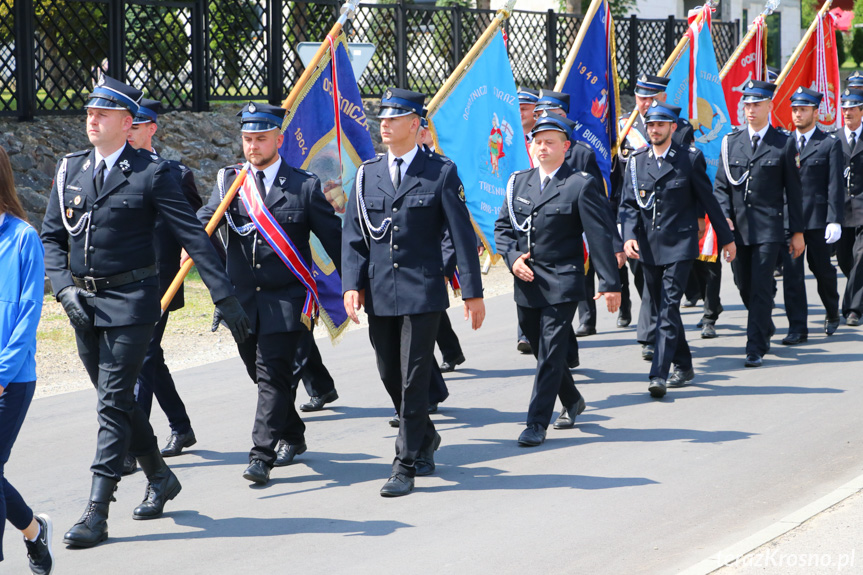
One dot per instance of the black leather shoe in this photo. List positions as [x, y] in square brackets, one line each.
[566, 419]
[656, 387]
[317, 402]
[524, 346]
[624, 316]
[853, 318]
[432, 408]
[831, 325]
[708, 331]
[752, 360]
[92, 528]
[700, 323]
[447, 366]
[585, 330]
[424, 464]
[286, 452]
[399, 484]
[532, 436]
[162, 486]
[647, 352]
[257, 472]
[394, 422]
[689, 302]
[794, 338]
[680, 376]
[177, 442]
[130, 466]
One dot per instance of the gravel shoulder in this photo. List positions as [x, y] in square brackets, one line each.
[188, 341]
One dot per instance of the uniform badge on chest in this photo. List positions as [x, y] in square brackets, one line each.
[77, 200]
[69, 212]
[642, 193]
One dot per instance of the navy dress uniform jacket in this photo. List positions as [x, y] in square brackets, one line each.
[821, 165]
[757, 205]
[269, 292]
[682, 190]
[137, 191]
[168, 248]
[571, 204]
[853, 180]
[403, 274]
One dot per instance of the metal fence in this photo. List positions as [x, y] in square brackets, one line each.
[189, 53]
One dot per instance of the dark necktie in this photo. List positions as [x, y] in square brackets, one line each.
[659, 161]
[852, 141]
[397, 179]
[100, 177]
[545, 183]
[259, 180]
[801, 143]
[755, 139]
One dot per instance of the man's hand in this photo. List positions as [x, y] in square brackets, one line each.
[69, 299]
[231, 312]
[796, 245]
[730, 223]
[702, 227]
[730, 251]
[183, 257]
[612, 300]
[621, 259]
[521, 270]
[474, 310]
[630, 248]
[354, 300]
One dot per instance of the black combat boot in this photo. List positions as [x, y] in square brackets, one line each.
[162, 486]
[92, 528]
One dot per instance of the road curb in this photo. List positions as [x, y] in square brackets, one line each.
[781, 527]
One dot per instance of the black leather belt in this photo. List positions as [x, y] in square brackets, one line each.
[93, 285]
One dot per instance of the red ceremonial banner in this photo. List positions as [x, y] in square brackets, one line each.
[750, 65]
[817, 68]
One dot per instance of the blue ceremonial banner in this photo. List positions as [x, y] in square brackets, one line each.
[694, 85]
[591, 82]
[312, 143]
[478, 125]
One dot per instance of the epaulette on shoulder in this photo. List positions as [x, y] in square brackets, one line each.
[784, 131]
[585, 144]
[640, 150]
[78, 153]
[304, 172]
[439, 158]
[377, 158]
[147, 155]
[236, 167]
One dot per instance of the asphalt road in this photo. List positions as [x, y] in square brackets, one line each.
[641, 486]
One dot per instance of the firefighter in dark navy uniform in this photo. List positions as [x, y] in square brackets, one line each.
[664, 188]
[821, 165]
[849, 248]
[155, 377]
[279, 298]
[101, 260]
[757, 181]
[392, 264]
[539, 235]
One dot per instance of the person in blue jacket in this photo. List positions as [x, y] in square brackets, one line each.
[22, 267]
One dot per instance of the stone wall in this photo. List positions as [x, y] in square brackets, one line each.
[204, 141]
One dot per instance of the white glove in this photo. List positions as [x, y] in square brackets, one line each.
[833, 233]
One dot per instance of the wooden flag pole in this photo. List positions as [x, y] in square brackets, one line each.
[579, 40]
[348, 10]
[666, 68]
[769, 8]
[793, 59]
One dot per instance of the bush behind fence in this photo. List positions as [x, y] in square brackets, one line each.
[189, 53]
